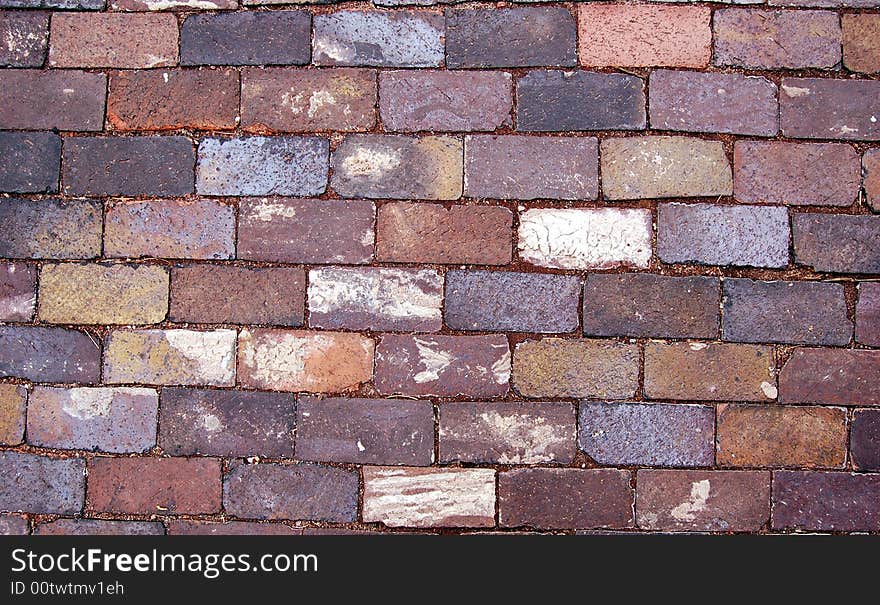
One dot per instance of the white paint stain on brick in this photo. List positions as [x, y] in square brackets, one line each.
[696, 503]
[795, 91]
[161, 5]
[87, 403]
[281, 358]
[212, 353]
[318, 100]
[264, 211]
[433, 359]
[770, 391]
[501, 368]
[529, 438]
[370, 163]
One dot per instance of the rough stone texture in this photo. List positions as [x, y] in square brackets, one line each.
[13, 405]
[867, 314]
[26, 37]
[113, 40]
[865, 440]
[653, 434]
[659, 166]
[99, 527]
[295, 360]
[713, 102]
[38, 484]
[686, 500]
[837, 243]
[45, 100]
[13, 525]
[62, 4]
[50, 228]
[831, 376]
[723, 235]
[527, 168]
[814, 501]
[569, 498]
[871, 178]
[161, 5]
[29, 162]
[49, 354]
[17, 291]
[229, 528]
[226, 423]
[365, 431]
[861, 49]
[246, 38]
[444, 366]
[811, 108]
[117, 420]
[645, 305]
[415, 497]
[507, 433]
[557, 367]
[398, 167]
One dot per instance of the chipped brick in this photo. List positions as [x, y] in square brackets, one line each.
[29, 162]
[831, 377]
[837, 243]
[113, 40]
[246, 38]
[51, 354]
[37, 484]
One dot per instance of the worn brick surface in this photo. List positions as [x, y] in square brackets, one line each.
[867, 314]
[229, 528]
[13, 525]
[138, 40]
[831, 376]
[246, 38]
[865, 440]
[38, 484]
[812, 108]
[871, 177]
[64, 100]
[50, 228]
[155, 5]
[17, 291]
[13, 405]
[49, 354]
[825, 501]
[861, 49]
[837, 243]
[99, 527]
[29, 162]
[26, 37]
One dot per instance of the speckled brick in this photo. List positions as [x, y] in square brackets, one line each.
[13, 525]
[17, 291]
[113, 40]
[246, 38]
[99, 527]
[27, 37]
[38, 484]
[871, 178]
[229, 528]
[815, 501]
[865, 440]
[13, 404]
[30, 162]
[161, 5]
[867, 314]
[63, 100]
[861, 49]
[50, 228]
[831, 377]
[49, 354]
[837, 243]
[812, 108]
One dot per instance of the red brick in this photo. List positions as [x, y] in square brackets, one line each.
[13, 405]
[26, 37]
[113, 40]
[811, 108]
[831, 377]
[99, 527]
[837, 243]
[861, 42]
[814, 501]
[229, 528]
[868, 314]
[865, 440]
[37, 484]
[44, 100]
[46, 354]
[17, 291]
[871, 176]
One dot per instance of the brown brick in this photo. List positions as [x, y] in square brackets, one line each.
[871, 177]
[831, 376]
[861, 42]
[49, 354]
[13, 403]
[13, 525]
[229, 528]
[17, 291]
[26, 37]
[820, 109]
[30, 162]
[113, 40]
[868, 314]
[44, 100]
[865, 440]
[99, 527]
[837, 243]
[816, 501]
[37, 484]
[50, 228]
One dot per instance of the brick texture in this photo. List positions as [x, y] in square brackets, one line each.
[50, 228]
[27, 38]
[825, 501]
[17, 291]
[113, 40]
[13, 406]
[49, 354]
[831, 376]
[246, 38]
[37, 484]
[29, 162]
[66, 100]
[868, 314]
[812, 108]
[840, 244]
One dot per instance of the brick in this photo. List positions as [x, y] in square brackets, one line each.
[156, 166]
[184, 357]
[296, 360]
[660, 166]
[435, 497]
[306, 231]
[13, 525]
[812, 108]
[653, 434]
[444, 366]
[565, 498]
[861, 49]
[645, 305]
[775, 172]
[240, 295]
[557, 367]
[229, 528]
[102, 294]
[63, 100]
[29, 162]
[154, 486]
[113, 40]
[365, 431]
[556, 100]
[527, 168]
[544, 36]
[871, 178]
[644, 36]
[299, 491]
[302, 100]
[713, 102]
[49, 354]
[99, 527]
[785, 312]
[62, 4]
[26, 37]
[511, 301]
[867, 314]
[378, 38]
[444, 100]
[203, 229]
[17, 291]
[117, 420]
[413, 232]
[837, 243]
[161, 5]
[831, 377]
[825, 3]
[226, 423]
[50, 228]
[815, 501]
[246, 38]
[173, 98]
[865, 440]
[398, 167]
[37, 484]
[709, 371]
[507, 433]
[710, 234]
[687, 500]
[13, 404]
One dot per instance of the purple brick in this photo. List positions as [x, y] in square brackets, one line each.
[49, 354]
[29, 162]
[830, 109]
[17, 291]
[831, 377]
[55, 99]
[865, 440]
[13, 525]
[837, 243]
[868, 314]
[26, 37]
[246, 38]
[99, 527]
[36, 484]
[816, 501]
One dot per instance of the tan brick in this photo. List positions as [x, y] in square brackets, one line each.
[113, 40]
[13, 400]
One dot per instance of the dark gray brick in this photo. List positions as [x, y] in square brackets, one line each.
[36, 484]
[49, 354]
[50, 228]
[29, 162]
[837, 243]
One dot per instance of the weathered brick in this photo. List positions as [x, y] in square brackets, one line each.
[159, 166]
[511, 301]
[298, 491]
[26, 37]
[861, 49]
[162, 5]
[17, 291]
[296, 360]
[526, 168]
[302, 100]
[723, 235]
[557, 367]
[102, 294]
[239, 295]
[13, 403]
[831, 376]
[444, 100]
[262, 166]
[413, 232]
[398, 167]
[653, 434]
[49, 354]
[709, 371]
[837, 243]
[689, 500]
[154, 486]
[429, 497]
[825, 3]
[658, 166]
[29, 162]
[50, 228]
[62, 4]
[229, 528]
[113, 40]
[36, 484]
[871, 177]
[865, 440]
[811, 108]
[246, 38]
[183, 357]
[644, 35]
[13, 525]
[816, 501]
[713, 102]
[173, 98]
[99, 527]
[365, 431]
[785, 312]
[226, 423]
[444, 366]
[63, 100]
[117, 420]
[645, 305]
[867, 314]
[375, 298]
